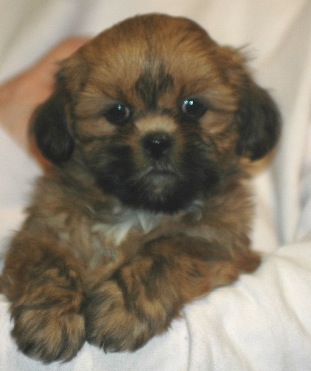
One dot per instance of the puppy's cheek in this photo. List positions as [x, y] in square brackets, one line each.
[220, 135]
[111, 166]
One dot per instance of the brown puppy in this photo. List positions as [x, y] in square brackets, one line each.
[147, 206]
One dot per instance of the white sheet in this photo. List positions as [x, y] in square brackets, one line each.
[263, 321]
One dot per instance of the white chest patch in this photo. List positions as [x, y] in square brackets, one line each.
[115, 233]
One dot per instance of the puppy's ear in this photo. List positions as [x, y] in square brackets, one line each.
[52, 121]
[258, 121]
[50, 128]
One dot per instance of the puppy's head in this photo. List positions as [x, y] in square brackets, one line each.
[157, 112]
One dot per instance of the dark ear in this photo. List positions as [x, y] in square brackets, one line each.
[258, 122]
[50, 128]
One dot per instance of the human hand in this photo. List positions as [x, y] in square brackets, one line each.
[21, 95]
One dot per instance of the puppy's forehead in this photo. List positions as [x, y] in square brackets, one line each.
[147, 56]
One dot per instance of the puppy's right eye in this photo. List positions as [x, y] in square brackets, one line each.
[194, 108]
[118, 114]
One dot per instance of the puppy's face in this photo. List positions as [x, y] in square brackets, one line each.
[156, 112]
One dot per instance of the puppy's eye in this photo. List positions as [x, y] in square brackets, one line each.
[193, 108]
[118, 114]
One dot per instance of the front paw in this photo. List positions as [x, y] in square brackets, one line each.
[48, 334]
[114, 325]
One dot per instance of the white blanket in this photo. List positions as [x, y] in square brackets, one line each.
[263, 321]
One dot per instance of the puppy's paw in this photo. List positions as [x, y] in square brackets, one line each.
[48, 324]
[112, 325]
[48, 334]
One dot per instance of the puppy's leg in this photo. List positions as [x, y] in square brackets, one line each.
[141, 298]
[44, 284]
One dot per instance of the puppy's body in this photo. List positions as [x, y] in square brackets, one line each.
[147, 207]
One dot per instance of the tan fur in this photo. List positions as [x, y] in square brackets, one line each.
[93, 262]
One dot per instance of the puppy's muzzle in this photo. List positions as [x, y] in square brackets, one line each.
[157, 144]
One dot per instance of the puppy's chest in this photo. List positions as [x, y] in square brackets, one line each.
[125, 232]
[111, 234]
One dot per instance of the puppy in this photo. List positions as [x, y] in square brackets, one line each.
[146, 207]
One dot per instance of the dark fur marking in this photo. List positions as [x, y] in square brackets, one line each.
[151, 85]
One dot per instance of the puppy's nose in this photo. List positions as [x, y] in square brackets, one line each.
[157, 144]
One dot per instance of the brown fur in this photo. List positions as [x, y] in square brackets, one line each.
[137, 217]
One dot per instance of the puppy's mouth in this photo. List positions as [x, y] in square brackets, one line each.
[159, 175]
[166, 184]
[158, 187]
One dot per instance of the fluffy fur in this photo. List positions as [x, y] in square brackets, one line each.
[147, 207]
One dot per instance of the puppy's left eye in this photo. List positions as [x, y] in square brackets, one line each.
[118, 114]
[194, 108]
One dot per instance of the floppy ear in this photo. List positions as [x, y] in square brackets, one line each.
[51, 123]
[258, 122]
[50, 128]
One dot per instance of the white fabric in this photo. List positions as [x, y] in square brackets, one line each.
[263, 321]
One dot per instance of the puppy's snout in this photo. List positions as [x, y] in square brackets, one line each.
[157, 144]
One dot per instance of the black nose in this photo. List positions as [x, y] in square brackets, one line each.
[157, 144]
